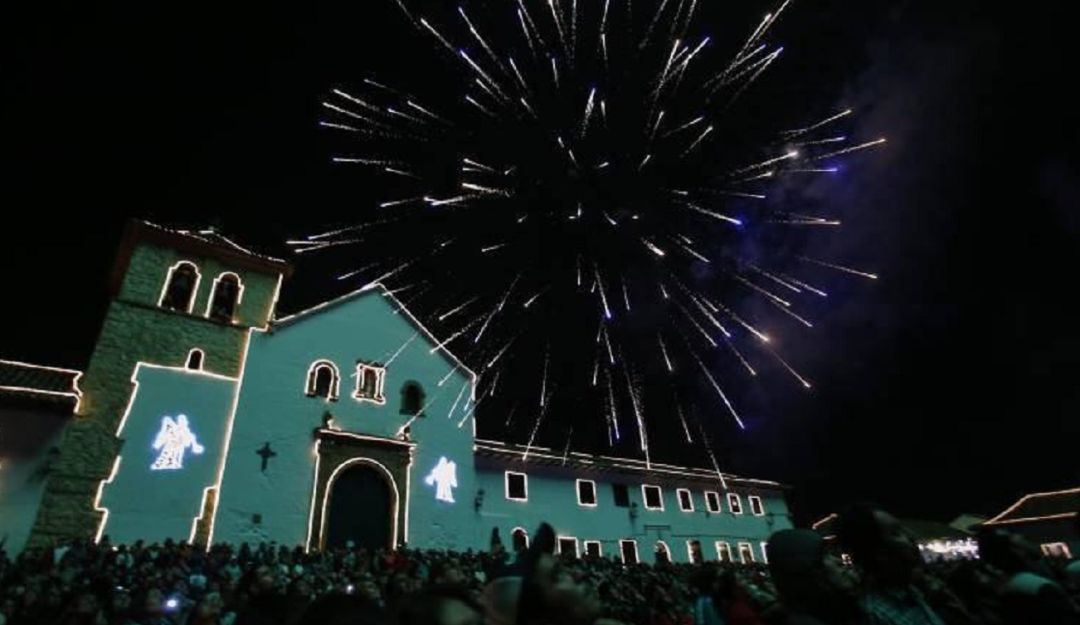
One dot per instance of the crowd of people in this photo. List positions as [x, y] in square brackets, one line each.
[804, 583]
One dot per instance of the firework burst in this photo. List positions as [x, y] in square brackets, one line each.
[584, 214]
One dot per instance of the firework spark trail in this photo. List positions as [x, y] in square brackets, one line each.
[397, 353]
[566, 450]
[464, 387]
[543, 378]
[739, 320]
[854, 148]
[798, 132]
[805, 383]
[712, 456]
[499, 354]
[854, 272]
[719, 391]
[776, 279]
[643, 435]
[808, 287]
[713, 214]
[700, 328]
[438, 35]
[457, 309]
[450, 339]
[607, 345]
[682, 418]
[664, 351]
[739, 355]
[536, 428]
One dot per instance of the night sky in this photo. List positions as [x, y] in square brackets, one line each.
[948, 386]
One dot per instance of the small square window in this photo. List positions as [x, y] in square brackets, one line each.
[686, 502]
[586, 493]
[712, 501]
[1056, 550]
[370, 380]
[517, 486]
[654, 499]
[622, 495]
[734, 503]
[756, 506]
[567, 546]
[593, 549]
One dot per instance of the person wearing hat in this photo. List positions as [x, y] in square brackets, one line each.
[812, 584]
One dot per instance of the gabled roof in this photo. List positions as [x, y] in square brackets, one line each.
[1061, 504]
[40, 382]
[377, 288]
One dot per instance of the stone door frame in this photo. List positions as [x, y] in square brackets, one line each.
[336, 451]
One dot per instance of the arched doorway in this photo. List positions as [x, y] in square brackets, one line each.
[361, 506]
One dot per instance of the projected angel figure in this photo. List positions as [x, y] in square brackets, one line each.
[444, 478]
[173, 439]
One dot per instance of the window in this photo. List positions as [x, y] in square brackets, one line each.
[517, 486]
[756, 506]
[412, 399]
[586, 493]
[693, 551]
[225, 297]
[746, 553]
[723, 551]
[195, 360]
[519, 538]
[662, 553]
[180, 287]
[323, 380]
[568, 546]
[628, 551]
[593, 549]
[1056, 550]
[686, 502]
[654, 498]
[622, 495]
[734, 503]
[712, 501]
[765, 552]
[369, 383]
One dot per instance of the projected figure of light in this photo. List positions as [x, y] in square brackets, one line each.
[444, 478]
[173, 440]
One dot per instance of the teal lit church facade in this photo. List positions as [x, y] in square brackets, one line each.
[204, 417]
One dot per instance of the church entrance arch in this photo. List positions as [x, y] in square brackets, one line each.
[360, 491]
[361, 506]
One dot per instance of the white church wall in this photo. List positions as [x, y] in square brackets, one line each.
[173, 435]
[552, 497]
[274, 408]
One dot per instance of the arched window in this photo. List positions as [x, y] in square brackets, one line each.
[519, 539]
[195, 359]
[225, 297]
[663, 554]
[693, 549]
[180, 287]
[323, 380]
[412, 399]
